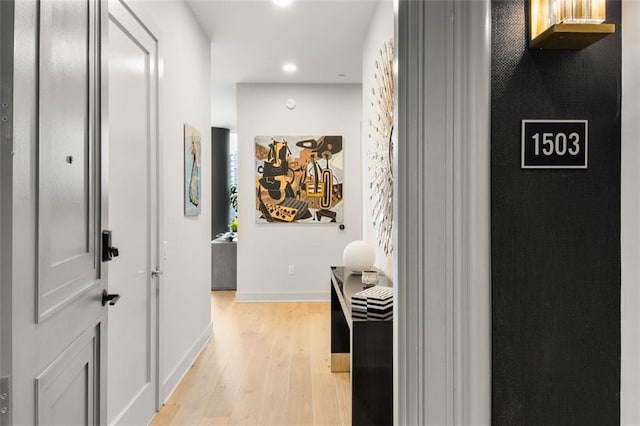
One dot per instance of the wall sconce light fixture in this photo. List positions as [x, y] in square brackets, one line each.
[567, 24]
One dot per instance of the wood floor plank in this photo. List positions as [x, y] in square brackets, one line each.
[214, 421]
[325, 404]
[299, 402]
[326, 407]
[166, 415]
[253, 382]
[342, 382]
[277, 370]
[267, 364]
[196, 388]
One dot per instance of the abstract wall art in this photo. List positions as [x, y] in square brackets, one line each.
[299, 179]
[192, 163]
[381, 149]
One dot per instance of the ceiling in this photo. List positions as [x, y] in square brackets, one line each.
[252, 39]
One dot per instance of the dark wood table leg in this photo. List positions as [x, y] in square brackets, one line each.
[340, 337]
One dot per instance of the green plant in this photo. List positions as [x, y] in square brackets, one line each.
[234, 225]
[233, 197]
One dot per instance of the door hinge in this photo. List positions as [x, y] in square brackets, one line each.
[5, 401]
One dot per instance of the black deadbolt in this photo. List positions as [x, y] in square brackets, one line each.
[108, 251]
[111, 298]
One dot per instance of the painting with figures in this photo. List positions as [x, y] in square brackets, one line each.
[299, 179]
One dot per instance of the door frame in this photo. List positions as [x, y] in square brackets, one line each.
[104, 190]
[6, 192]
[154, 32]
[442, 330]
[630, 211]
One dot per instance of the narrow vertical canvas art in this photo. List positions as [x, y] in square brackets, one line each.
[299, 179]
[192, 183]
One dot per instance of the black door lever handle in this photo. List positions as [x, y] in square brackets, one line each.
[108, 297]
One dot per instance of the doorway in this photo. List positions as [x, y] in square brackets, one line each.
[133, 394]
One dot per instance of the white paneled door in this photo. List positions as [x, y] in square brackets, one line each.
[58, 322]
[68, 218]
[133, 217]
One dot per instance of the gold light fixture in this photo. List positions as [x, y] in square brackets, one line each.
[567, 24]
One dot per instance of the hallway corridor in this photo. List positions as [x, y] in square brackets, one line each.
[267, 364]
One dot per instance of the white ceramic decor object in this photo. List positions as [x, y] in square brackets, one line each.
[358, 256]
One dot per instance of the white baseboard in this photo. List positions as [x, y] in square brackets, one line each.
[295, 296]
[137, 413]
[174, 378]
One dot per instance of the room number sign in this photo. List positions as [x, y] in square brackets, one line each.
[555, 144]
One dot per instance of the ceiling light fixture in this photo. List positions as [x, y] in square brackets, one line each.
[282, 3]
[289, 67]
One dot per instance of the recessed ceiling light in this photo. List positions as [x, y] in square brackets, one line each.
[282, 2]
[289, 67]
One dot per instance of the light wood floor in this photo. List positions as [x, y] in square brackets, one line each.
[267, 364]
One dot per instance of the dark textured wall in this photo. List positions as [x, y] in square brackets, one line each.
[219, 180]
[555, 233]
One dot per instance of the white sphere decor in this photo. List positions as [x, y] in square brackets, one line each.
[358, 256]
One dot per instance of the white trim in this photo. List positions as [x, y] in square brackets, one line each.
[630, 212]
[472, 229]
[6, 191]
[104, 197]
[127, 415]
[174, 378]
[294, 296]
[442, 330]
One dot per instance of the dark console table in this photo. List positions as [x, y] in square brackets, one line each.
[363, 347]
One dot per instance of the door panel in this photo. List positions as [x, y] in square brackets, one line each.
[67, 389]
[67, 181]
[132, 217]
[57, 279]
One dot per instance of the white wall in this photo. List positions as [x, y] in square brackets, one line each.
[380, 31]
[630, 232]
[184, 98]
[266, 250]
